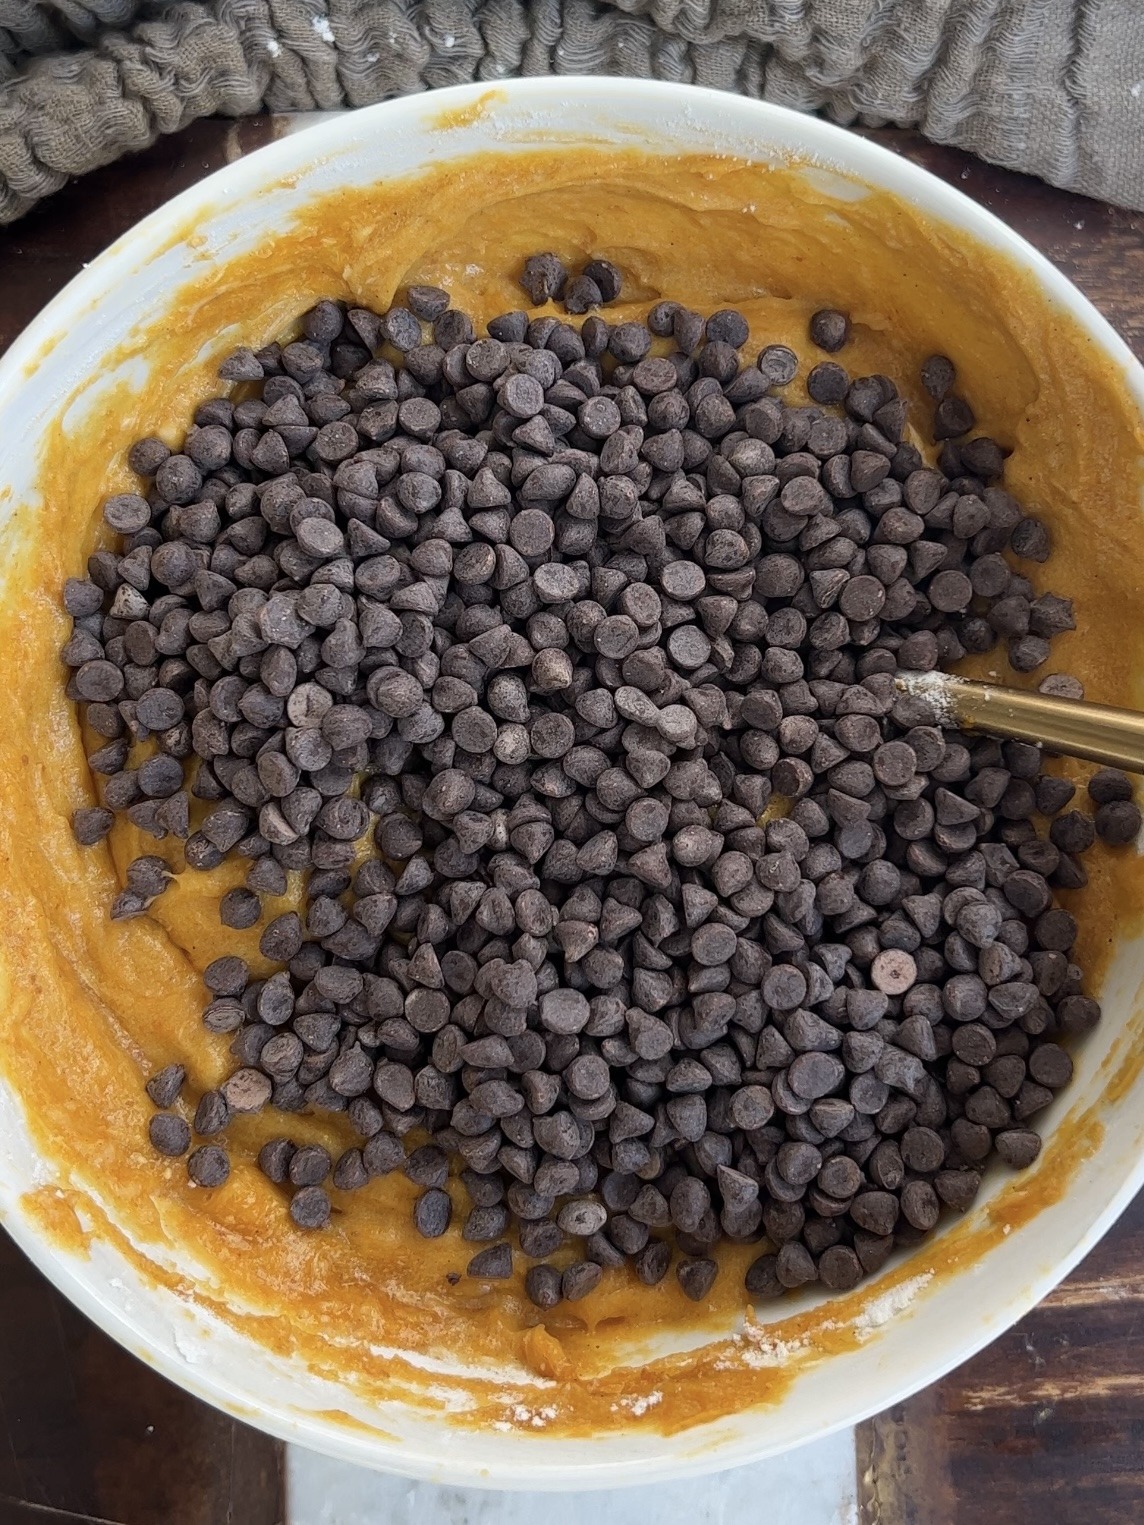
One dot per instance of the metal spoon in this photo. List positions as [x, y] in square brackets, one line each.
[1071, 726]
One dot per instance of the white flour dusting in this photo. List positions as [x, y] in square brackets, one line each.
[880, 1310]
[638, 1405]
[536, 1418]
[936, 688]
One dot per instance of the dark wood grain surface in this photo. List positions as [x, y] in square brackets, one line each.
[88, 1433]
[1046, 1427]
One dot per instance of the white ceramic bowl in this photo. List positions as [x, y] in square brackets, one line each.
[931, 1328]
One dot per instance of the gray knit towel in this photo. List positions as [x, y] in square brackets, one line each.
[1052, 87]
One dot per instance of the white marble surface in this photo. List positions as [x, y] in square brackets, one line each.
[814, 1485]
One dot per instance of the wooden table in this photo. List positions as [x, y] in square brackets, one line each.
[1045, 1427]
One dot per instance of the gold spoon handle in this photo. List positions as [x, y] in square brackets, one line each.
[1072, 726]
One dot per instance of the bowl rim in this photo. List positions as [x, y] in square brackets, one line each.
[820, 143]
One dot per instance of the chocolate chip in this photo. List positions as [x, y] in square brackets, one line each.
[543, 1285]
[582, 294]
[90, 824]
[839, 1268]
[502, 688]
[274, 1160]
[98, 681]
[938, 376]
[539, 1237]
[208, 1165]
[1117, 822]
[226, 976]
[432, 1213]
[953, 417]
[309, 1165]
[893, 971]
[247, 1090]
[310, 1208]
[491, 1264]
[428, 1166]
[794, 1265]
[239, 908]
[169, 1134]
[875, 1211]
[582, 1277]
[164, 1086]
[543, 278]
[382, 1154]
[1018, 1147]
[652, 1262]
[564, 1011]
[212, 1113]
[282, 938]
[727, 327]
[696, 1277]
[829, 329]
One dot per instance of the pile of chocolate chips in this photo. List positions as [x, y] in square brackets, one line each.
[677, 921]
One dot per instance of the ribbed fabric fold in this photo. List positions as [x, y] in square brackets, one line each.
[1051, 87]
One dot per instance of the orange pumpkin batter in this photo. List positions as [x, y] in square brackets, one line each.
[89, 1008]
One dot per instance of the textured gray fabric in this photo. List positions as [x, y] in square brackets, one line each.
[1053, 87]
